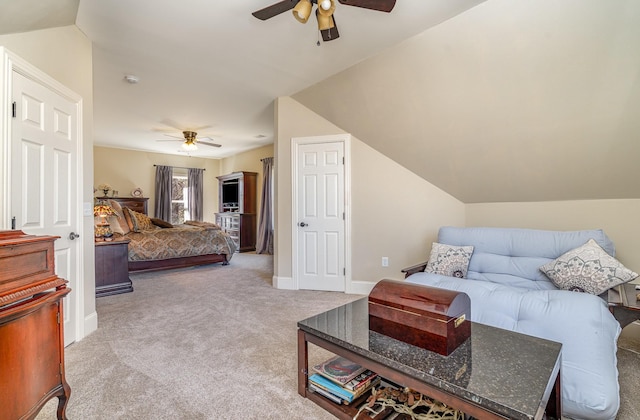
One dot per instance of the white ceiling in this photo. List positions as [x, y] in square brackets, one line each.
[213, 65]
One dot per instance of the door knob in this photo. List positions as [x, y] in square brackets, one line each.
[302, 224]
[73, 236]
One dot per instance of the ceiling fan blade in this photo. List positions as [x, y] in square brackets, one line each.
[379, 5]
[275, 9]
[209, 144]
[331, 33]
[175, 137]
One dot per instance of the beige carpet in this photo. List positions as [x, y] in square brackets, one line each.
[213, 342]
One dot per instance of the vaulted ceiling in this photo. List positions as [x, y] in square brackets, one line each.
[489, 100]
[509, 101]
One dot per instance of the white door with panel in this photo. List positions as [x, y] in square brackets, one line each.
[320, 216]
[44, 172]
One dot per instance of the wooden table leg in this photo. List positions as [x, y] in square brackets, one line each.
[554, 405]
[303, 363]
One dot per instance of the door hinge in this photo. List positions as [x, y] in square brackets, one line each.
[342, 157]
[13, 109]
[61, 369]
[343, 216]
[58, 317]
[344, 271]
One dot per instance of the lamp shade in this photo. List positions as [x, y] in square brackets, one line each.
[104, 210]
[302, 11]
[325, 22]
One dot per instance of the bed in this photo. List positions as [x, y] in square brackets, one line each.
[157, 245]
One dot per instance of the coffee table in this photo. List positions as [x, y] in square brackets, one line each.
[496, 374]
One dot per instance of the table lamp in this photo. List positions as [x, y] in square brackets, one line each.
[103, 229]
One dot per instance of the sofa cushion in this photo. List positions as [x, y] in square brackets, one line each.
[513, 256]
[449, 260]
[587, 269]
[580, 321]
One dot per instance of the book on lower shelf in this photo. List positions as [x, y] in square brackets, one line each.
[338, 393]
[339, 369]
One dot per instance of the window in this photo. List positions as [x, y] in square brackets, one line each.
[179, 198]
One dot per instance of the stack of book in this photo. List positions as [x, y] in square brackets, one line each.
[341, 380]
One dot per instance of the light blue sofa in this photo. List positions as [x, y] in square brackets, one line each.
[507, 290]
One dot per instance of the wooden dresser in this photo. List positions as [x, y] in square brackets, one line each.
[31, 326]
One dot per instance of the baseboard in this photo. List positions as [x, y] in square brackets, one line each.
[359, 287]
[285, 283]
[90, 324]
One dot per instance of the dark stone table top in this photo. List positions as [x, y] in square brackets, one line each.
[504, 371]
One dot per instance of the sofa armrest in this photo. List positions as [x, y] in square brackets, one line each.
[414, 269]
[624, 303]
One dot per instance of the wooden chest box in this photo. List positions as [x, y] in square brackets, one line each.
[428, 317]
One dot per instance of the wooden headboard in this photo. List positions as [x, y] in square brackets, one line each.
[138, 204]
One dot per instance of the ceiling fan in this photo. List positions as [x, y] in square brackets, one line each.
[189, 140]
[324, 12]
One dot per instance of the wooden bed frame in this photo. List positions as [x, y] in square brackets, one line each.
[139, 204]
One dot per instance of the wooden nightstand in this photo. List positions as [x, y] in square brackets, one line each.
[112, 271]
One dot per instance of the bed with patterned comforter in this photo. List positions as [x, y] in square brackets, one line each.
[182, 245]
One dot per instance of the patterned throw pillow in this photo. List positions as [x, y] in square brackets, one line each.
[161, 223]
[139, 221]
[588, 269]
[449, 260]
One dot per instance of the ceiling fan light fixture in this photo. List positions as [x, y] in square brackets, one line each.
[302, 11]
[325, 22]
[189, 146]
[326, 7]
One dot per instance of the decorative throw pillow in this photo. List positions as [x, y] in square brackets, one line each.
[449, 260]
[139, 221]
[121, 220]
[588, 269]
[161, 223]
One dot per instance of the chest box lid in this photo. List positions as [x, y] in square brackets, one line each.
[428, 317]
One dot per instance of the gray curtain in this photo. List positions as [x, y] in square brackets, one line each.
[164, 176]
[196, 191]
[264, 243]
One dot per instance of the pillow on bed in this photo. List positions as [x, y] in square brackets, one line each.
[121, 220]
[138, 221]
[449, 260]
[161, 223]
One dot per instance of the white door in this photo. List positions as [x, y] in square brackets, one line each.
[320, 212]
[44, 165]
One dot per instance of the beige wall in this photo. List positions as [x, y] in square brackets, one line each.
[394, 212]
[65, 54]
[618, 218]
[125, 170]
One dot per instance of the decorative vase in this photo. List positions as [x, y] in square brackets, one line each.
[105, 192]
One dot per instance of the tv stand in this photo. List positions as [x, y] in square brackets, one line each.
[237, 194]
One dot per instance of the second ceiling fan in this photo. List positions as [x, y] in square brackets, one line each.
[190, 139]
[324, 12]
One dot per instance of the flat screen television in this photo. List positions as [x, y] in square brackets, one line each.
[230, 195]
